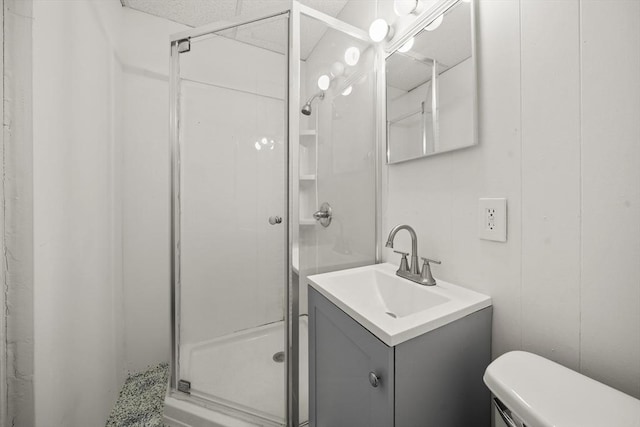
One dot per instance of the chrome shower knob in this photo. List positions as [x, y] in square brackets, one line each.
[324, 215]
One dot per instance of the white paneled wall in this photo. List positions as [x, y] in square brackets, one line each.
[146, 258]
[610, 181]
[560, 139]
[145, 117]
[550, 98]
[77, 292]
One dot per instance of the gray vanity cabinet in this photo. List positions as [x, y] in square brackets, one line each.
[343, 356]
[433, 380]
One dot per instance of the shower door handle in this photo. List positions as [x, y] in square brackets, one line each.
[273, 220]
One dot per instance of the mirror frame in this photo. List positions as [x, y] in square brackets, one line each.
[421, 21]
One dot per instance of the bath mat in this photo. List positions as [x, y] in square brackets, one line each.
[141, 399]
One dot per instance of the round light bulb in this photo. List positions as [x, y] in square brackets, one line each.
[352, 56]
[258, 146]
[407, 46]
[324, 82]
[435, 23]
[379, 30]
[404, 7]
[337, 69]
[347, 91]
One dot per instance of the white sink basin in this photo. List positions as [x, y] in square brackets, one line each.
[392, 308]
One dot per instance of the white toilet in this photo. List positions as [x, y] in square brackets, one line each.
[532, 391]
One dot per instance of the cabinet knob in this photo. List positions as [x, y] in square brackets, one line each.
[374, 379]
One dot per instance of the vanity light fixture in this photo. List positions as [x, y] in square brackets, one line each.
[379, 30]
[407, 46]
[406, 7]
[352, 56]
[324, 82]
[435, 23]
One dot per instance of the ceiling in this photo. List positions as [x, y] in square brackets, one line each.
[195, 13]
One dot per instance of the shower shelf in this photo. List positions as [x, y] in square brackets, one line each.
[308, 177]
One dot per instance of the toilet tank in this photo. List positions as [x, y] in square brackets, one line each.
[533, 391]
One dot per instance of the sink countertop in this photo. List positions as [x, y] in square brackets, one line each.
[392, 308]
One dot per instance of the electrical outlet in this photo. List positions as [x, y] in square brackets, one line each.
[492, 219]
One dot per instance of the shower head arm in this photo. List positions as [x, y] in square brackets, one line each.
[319, 95]
[306, 108]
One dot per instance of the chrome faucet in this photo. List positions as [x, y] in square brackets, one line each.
[412, 271]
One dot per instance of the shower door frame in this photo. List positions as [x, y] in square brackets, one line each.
[292, 125]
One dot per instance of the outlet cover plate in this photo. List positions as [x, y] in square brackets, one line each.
[492, 219]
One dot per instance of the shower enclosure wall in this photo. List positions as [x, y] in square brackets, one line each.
[249, 171]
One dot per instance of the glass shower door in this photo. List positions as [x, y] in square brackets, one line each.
[337, 147]
[232, 242]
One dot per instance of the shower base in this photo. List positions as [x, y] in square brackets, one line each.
[241, 371]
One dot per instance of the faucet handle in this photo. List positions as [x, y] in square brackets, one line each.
[426, 276]
[404, 264]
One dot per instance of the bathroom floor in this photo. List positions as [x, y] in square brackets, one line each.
[141, 399]
[246, 371]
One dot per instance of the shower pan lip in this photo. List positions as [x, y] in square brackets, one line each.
[260, 335]
[178, 406]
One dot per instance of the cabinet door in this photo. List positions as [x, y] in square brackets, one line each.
[342, 354]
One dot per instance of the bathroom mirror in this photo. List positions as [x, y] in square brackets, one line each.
[431, 84]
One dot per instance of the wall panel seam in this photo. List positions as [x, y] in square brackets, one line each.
[580, 197]
[521, 173]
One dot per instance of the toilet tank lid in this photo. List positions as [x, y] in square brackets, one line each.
[545, 394]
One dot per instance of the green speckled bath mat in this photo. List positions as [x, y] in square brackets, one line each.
[141, 399]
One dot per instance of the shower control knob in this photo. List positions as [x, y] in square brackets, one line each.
[324, 215]
[273, 220]
[374, 379]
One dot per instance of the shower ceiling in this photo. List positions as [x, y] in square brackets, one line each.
[200, 12]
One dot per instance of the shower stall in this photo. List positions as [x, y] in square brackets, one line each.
[268, 124]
